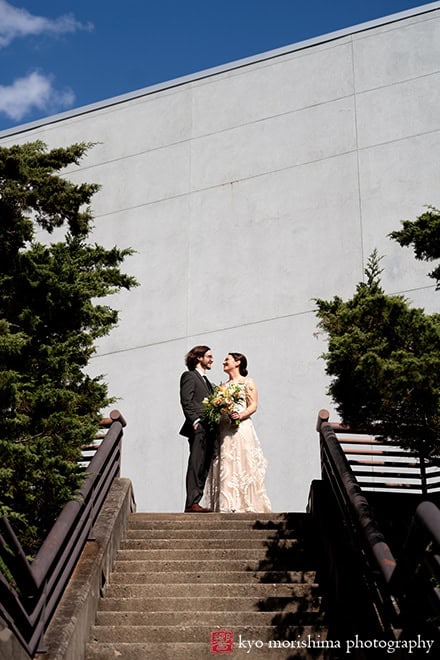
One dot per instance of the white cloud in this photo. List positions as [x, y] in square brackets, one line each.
[33, 92]
[16, 22]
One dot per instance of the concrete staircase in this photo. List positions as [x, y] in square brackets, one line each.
[184, 585]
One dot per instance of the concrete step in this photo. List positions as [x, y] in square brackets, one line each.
[192, 633]
[218, 521]
[212, 533]
[281, 517]
[208, 577]
[205, 521]
[171, 554]
[215, 544]
[210, 565]
[254, 590]
[223, 618]
[202, 650]
[211, 603]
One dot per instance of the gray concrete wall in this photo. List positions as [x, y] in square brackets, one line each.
[248, 193]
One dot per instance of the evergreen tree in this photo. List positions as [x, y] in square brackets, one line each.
[424, 235]
[384, 359]
[49, 321]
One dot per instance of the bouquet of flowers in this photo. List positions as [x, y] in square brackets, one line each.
[222, 402]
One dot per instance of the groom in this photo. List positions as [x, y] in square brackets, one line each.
[194, 387]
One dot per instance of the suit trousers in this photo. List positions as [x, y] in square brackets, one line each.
[199, 461]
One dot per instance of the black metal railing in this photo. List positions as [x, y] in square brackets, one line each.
[30, 591]
[373, 591]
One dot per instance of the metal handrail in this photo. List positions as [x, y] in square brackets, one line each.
[401, 594]
[28, 607]
[420, 562]
[353, 495]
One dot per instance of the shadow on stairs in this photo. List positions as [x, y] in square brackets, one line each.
[197, 586]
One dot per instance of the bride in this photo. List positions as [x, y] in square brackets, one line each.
[235, 481]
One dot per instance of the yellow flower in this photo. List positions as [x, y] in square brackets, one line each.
[222, 402]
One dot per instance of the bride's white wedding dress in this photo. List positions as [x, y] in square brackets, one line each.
[235, 481]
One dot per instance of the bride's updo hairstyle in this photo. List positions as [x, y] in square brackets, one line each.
[239, 357]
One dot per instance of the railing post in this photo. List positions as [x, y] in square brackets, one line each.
[116, 416]
[323, 416]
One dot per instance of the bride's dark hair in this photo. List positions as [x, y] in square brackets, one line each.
[239, 357]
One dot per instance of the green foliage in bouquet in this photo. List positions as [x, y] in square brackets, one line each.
[222, 401]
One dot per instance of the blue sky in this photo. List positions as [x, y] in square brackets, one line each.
[56, 55]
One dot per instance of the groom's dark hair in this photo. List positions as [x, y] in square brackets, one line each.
[193, 356]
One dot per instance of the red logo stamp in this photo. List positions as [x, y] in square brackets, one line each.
[222, 641]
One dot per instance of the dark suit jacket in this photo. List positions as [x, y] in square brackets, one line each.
[193, 389]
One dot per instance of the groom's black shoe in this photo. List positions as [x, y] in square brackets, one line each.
[196, 508]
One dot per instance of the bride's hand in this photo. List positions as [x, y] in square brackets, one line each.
[235, 415]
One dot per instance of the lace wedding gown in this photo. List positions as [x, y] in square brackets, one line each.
[235, 481]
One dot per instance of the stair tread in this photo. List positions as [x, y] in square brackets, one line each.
[233, 577]
[209, 565]
[267, 522]
[196, 632]
[173, 515]
[202, 554]
[208, 603]
[241, 533]
[207, 544]
[213, 617]
[220, 589]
